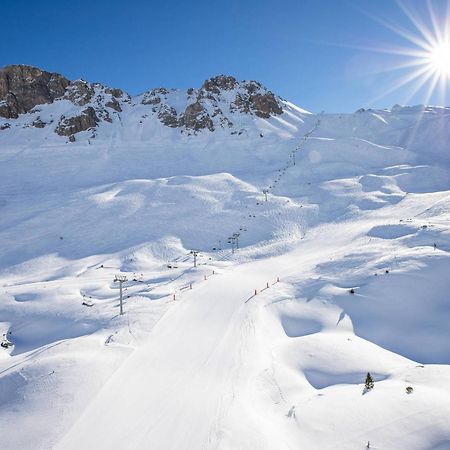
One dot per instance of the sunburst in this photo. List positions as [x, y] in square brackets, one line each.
[425, 59]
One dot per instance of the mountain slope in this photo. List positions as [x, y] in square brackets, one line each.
[355, 227]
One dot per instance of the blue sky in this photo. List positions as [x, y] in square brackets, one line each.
[308, 51]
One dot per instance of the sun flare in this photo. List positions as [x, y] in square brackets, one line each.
[439, 59]
[425, 60]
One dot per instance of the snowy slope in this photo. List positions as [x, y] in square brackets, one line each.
[356, 202]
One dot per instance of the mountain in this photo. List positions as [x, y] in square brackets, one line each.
[322, 247]
[78, 106]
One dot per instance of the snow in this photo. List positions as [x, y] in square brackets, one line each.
[218, 367]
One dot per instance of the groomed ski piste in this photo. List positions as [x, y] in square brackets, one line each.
[342, 271]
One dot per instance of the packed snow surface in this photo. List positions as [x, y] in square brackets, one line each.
[342, 271]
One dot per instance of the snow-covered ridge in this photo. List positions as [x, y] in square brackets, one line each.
[80, 106]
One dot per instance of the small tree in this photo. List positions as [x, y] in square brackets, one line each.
[369, 384]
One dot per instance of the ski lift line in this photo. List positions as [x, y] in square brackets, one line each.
[73, 308]
[272, 185]
[66, 281]
[226, 255]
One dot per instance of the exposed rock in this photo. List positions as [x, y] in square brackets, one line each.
[79, 92]
[151, 100]
[71, 125]
[117, 93]
[153, 97]
[23, 87]
[9, 107]
[241, 104]
[71, 138]
[253, 86]
[219, 83]
[254, 98]
[103, 114]
[38, 123]
[5, 126]
[265, 105]
[225, 121]
[168, 116]
[196, 118]
[114, 104]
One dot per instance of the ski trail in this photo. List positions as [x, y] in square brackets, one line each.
[173, 392]
[170, 390]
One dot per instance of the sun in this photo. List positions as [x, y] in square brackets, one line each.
[439, 59]
[424, 62]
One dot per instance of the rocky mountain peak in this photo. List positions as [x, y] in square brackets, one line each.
[213, 104]
[23, 87]
[83, 106]
[219, 83]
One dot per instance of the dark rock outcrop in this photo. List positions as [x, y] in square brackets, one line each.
[71, 125]
[38, 123]
[253, 97]
[265, 105]
[117, 93]
[154, 97]
[168, 116]
[195, 117]
[79, 92]
[23, 87]
[220, 83]
[114, 104]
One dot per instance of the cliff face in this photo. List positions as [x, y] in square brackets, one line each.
[24, 87]
[216, 104]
